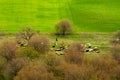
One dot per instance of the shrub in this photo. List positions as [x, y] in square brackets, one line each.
[35, 71]
[52, 61]
[74, 54]
[27, 52]
[103, 69]
[117, 72]
[2, 63]
[116, 38]
[2, 67]
[116, 46]
[41, 44]
[116, 52]
[95, 69]
[14, 66]
[8, 50]
[74, 72]
[64, 27]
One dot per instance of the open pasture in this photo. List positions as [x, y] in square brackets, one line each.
[85, 15]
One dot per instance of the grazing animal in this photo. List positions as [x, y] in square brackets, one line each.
[58, 49]
[59, 53]
[89, 45]
[93, 50]
[22, 43]
[54, 45]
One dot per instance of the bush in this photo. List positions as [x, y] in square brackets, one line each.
[14, 66]
[27, 52]
[116, 52]
[117, 72]
[103, 69]
[74, 72]
[116, 38]
[116, 46]
[52, 61]
[95, 69]
[41, 44]
[64, 27]
[74, 54]
[8, 50]
[2, 67]
[35, 71]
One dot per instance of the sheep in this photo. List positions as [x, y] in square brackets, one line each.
[89, 45]
[59, 53]
[22, 44]
[93, 50]
[58, 49]
[54, 45]
[96, 50]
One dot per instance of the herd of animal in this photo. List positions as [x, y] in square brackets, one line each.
[59, 50]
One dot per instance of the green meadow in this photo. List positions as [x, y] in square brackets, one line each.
[42, 15]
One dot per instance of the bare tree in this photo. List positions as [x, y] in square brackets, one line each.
[26, 33]
[24, 36]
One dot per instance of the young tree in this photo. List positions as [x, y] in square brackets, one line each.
[24, 36]
[63, 27]
[26, 33]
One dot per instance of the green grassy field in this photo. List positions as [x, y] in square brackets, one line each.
[86, 15]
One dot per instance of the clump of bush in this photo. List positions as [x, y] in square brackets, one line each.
[27, 52]
[40, 43]
[116, 38]
[14, 66]
[116, 46]
[116, 52]
[35, 71]
[74, 72]
[117, 72]
[63, 27]
[74, 53]
[2, 67]
[8, 50]
[103, 68]
[53, 61]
